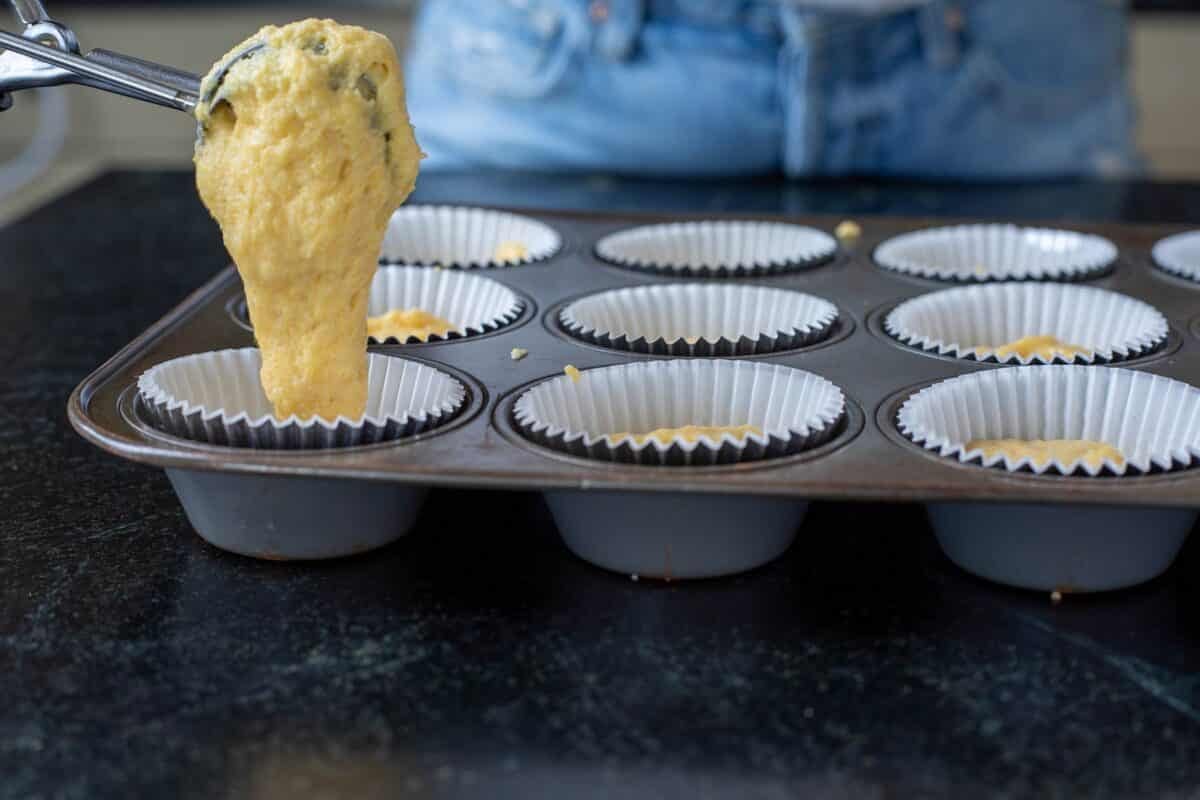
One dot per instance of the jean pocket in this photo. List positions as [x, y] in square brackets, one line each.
[1041, 60]
[507, 48]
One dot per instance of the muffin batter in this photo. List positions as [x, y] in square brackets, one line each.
[692, 433]
[1029, 346]
[402, 323]
[1043, 451]
[510, 252]
[306, 150]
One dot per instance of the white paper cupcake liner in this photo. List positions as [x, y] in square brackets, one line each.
[971, 322]
[700, 319]
[717, 249]
[997, 253]
[1153, 421]
[461, 237]
[796, 410]
[473, 303]
[217, 398]
[1179, 255]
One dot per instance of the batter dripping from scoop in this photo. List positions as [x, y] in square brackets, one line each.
[306, 150]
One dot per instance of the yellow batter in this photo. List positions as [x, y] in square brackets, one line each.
[508, 252]
[306, 150]
[692, 433]
[572, 372]
[1045, 346]
[1043, 451]
[402, 323]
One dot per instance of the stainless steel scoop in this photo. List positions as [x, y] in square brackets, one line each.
[47, 54]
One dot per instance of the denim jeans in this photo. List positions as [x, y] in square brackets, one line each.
[967, 89]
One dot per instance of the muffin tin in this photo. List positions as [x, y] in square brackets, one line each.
[314, 504]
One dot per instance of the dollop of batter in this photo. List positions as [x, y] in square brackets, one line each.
[692, 433]
[1043, 345]
[510, 252]
[402, 323]
[305, 151]
[572, 372]
[1044, 451]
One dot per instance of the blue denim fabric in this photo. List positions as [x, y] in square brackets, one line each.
[973, 89]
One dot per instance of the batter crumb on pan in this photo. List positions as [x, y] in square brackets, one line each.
[573, 373]
[517, 353]
[847, 230]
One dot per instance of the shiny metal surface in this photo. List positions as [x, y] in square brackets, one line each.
[49, 66]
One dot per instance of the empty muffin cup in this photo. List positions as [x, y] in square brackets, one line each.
[634, 413]
[217, 398]
[700, 319]
[1029, 323]
[1092, 423]
[1179, 255]
[997, 253]
[718, 249]
[462, 237]
[469, 303]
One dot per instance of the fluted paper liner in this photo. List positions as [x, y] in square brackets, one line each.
[216, 397]
[1153, 421]
[971, 322]
[458, 236]
[719, 249]
[796, 410]
[997, 253]
[1179, 255]
[475, 304]
[700, 319]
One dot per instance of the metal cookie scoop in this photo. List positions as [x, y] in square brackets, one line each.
[47, 54]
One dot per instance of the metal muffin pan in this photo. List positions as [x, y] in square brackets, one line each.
[869, 460]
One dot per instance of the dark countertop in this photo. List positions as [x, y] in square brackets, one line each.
[476, 658]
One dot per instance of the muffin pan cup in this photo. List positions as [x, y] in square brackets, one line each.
[997, 252]
[706, 536]
[473, 303]
[725, 249]
[462, 237]
[972, 322]
[216, 398]
[706, 319]
[481, 446]
[1153, 421]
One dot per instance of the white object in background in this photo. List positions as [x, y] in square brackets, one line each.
[49, 136]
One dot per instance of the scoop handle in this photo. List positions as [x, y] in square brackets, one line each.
[180, 93]
[148, 70]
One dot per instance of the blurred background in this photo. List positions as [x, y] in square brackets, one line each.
[51, 142]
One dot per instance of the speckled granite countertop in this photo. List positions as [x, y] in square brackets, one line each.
[476, 658]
